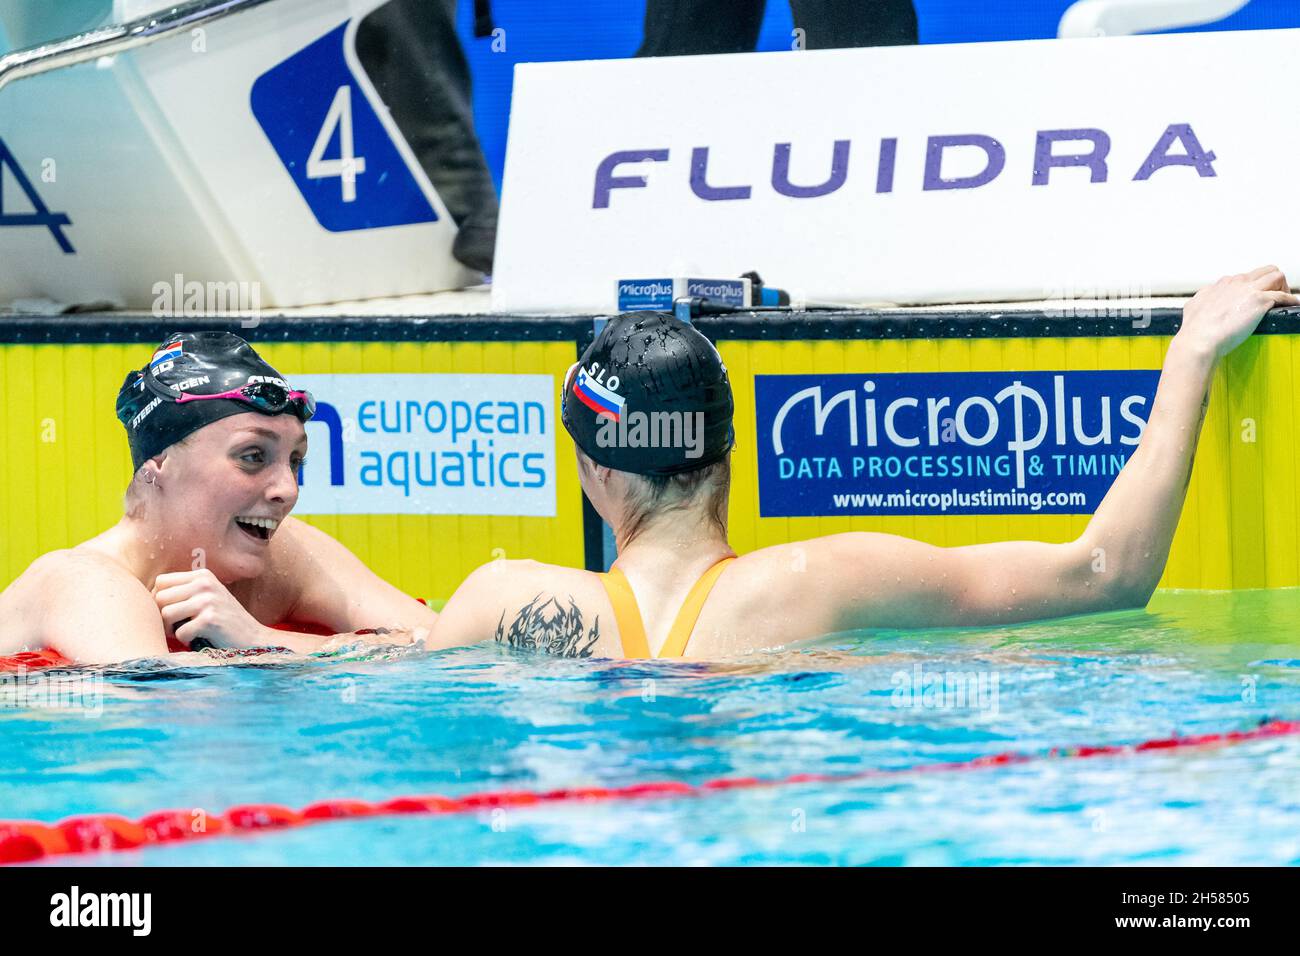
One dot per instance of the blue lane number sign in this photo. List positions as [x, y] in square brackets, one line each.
[333, 145]
[40, 214]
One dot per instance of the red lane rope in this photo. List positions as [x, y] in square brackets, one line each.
[49, 657]
[22, 841]
[33, 660]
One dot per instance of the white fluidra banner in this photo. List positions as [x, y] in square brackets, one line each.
[972, 172]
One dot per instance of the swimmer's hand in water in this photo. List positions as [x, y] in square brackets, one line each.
[1223, 315]
[195, 604]
[393, 636]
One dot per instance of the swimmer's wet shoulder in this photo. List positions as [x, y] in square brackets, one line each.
[60, 602]
[755, 602]
[527, 605]
[312, 578]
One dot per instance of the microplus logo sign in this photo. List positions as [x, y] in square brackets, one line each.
[946, 442]
[430, 444]
[649, 289]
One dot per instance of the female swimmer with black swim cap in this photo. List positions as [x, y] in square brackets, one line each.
[649, 408]
[206, 548]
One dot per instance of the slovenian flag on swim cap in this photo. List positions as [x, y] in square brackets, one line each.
[597, 397]
[166, 353]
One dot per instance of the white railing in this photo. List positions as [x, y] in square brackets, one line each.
[106, 41]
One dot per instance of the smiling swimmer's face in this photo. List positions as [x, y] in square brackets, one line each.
[229, 487]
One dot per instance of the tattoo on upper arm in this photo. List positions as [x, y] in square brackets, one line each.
[546, 625]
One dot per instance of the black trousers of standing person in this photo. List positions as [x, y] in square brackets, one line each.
[678, 27]
[411, 52]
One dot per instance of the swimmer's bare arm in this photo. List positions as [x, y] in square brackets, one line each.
[467, 618]
[1117, 561]
[337, 590]
[515, 602]
[95, 612]
[324, 584]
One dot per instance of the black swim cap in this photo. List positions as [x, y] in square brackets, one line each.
[199, 363]
[642, 365]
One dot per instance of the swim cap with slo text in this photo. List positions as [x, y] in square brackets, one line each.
[194, 363]
[650, 396]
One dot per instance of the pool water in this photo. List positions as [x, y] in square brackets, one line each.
[379, 724]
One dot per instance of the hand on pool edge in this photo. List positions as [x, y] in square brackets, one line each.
[1224, 314]
[1132, 530]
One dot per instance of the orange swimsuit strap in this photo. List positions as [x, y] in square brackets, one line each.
[631, 627]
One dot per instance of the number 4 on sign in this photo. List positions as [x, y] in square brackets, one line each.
[41, 215]
[348, 166]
